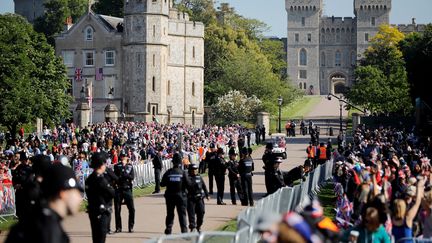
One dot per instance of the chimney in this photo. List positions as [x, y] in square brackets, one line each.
[413, 21]
[68, 23]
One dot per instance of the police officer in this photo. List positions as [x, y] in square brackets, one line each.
[277, 179]
[99, 192]
[268, 159]
[220, 171]
[176, 182]
[157, 165]
[22, 176]
[62, 194]
[234, 177]
[246, 166]
[112, 179]
[197, 190]
[211, 160]
[123, 192]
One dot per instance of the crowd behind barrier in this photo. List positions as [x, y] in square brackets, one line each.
[285, 199]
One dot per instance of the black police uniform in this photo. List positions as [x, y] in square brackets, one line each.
[44, 227]
[268, 159]
[234, 180]
[220, 171]
[112, 179]
[277, 181]
[197, 190]
[176, 182]
[211, 160]
[99, 193]
[22, 180]
[157, 165]
[123, 192]
[245, 168]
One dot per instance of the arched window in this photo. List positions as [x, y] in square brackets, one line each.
[323, 59]
[300, 86]
[314, 8]
[304, 85]
[169, 87]
[89, 33]
[303, 57]
[193, 88]
[154, 84]
[337, 35]
[338, 58]
[291, 8]
[193, 117]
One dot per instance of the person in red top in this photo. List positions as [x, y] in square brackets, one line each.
[311, 153]
[21, 132]
[321, 154]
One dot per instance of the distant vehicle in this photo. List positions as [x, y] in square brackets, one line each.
[279, 145]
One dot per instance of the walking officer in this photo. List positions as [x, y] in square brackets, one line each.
[123, 193]
[157, 165]
[245, 168]
[197, 190]
[112, 179]
[234, 177]
[268, 160]
[99, 193]
[220, 171]
[63, 198]
[210, 160]
[176, 182]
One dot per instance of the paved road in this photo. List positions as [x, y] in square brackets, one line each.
[327, 108]
[150, 210]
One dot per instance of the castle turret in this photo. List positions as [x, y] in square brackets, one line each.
[30, 9]
[303, 43]
[145, 44]
[370, 15]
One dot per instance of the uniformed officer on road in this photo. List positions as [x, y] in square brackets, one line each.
[268, 159]
[176, 182]
[245, 168]
[220, 167]
[123, 192]
[63, 198]
[112, 180]
[21, 176]
[210, 160]
[277, 179]
[234, 177]
[99, 193]
[197, 191]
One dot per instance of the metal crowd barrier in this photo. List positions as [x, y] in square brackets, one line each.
[7, 203]
[285, 199]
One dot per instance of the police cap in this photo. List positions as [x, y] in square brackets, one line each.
[40, 163]
[212, 145]
[176, 160]
[97, 160]
[58, 177]
[232, 152]
[244, 150]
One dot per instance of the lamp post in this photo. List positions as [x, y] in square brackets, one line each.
[280, 100]
[341, 101]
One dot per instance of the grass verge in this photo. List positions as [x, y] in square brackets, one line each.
[328, 200]
[301, 107]
[230, 226]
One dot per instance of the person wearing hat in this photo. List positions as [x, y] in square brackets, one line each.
[123, 192]
[157, 165]
[234, 177]
[176, 182]
[268, 159]
[220, 167]
[99, 193]
[21, 176]
[277, 180]
[197, 190]
[246, 167]
[210, 161]
[63, 197]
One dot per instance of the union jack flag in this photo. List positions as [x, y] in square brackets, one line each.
[78, 74]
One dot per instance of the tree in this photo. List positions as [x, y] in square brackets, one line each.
[274, 50]
[33, 80]
[109, 7]
[236, 106]
[56, 13]
[381, 79]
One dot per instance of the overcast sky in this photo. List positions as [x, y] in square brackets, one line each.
[273, 13]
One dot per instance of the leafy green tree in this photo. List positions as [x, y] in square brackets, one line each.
[56, 13]
[109, 7]
[33, 80]
[274, 50]
[383, 68]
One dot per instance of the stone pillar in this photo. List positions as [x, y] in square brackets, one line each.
[83, 114]
[111, 113]
[39, 127]
[356, 120]
[263, 118]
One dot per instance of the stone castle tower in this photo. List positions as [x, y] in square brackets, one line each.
[30, 9]
[322, 52]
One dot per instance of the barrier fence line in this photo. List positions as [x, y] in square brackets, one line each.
[285, 199]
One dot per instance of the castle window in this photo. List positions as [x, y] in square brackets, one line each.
[169, 87]
[373, 21]
[68, 58]
[89, 58]
[109, 58]
[385, 7]
[361, 7]
[154, 1]
[369, 7]
[296, 37]
[303, 21]
[295, 7]
[304, 85]
[314, 8]
[193, 88]
[291, 8]
[323, 59]
[154, 84]
[300, 86]
[307, 8]
[353, 59]
[338, 59]
[366, 37]
[322, 30]
[140, 59]
[323, 38]
[89, 34]
[302, 74]
[193, 52]
[154, 30]
[338, 36]
[309, 36]
[153, 60]
[303, 57]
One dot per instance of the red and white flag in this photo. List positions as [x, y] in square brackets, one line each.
[78, 74]
[99, 74]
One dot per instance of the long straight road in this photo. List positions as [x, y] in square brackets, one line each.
[150, 210]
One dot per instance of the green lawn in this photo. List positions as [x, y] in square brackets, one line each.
[300, 107]
[230, 226]
[328, 200]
